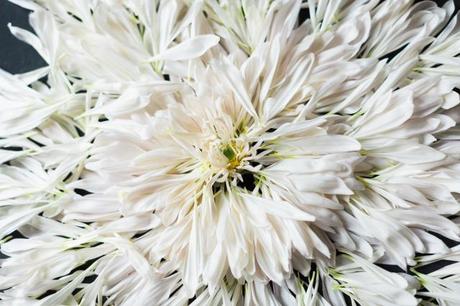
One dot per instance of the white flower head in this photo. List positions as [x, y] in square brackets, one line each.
[231, 153]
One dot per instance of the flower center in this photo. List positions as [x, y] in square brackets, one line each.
[232, 154]
[225, 156]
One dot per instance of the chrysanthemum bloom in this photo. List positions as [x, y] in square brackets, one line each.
[231, 153]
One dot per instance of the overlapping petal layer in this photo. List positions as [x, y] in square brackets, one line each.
[231, 153]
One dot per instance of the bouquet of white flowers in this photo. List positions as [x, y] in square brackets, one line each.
[230, 152]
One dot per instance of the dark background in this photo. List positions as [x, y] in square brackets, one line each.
[17, 56]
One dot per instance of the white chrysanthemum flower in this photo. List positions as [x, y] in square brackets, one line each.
[209, 152]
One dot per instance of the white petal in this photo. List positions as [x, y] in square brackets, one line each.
[278, 208]
[191, 48]
[326, 144]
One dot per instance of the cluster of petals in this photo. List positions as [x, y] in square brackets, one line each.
[232, 152]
